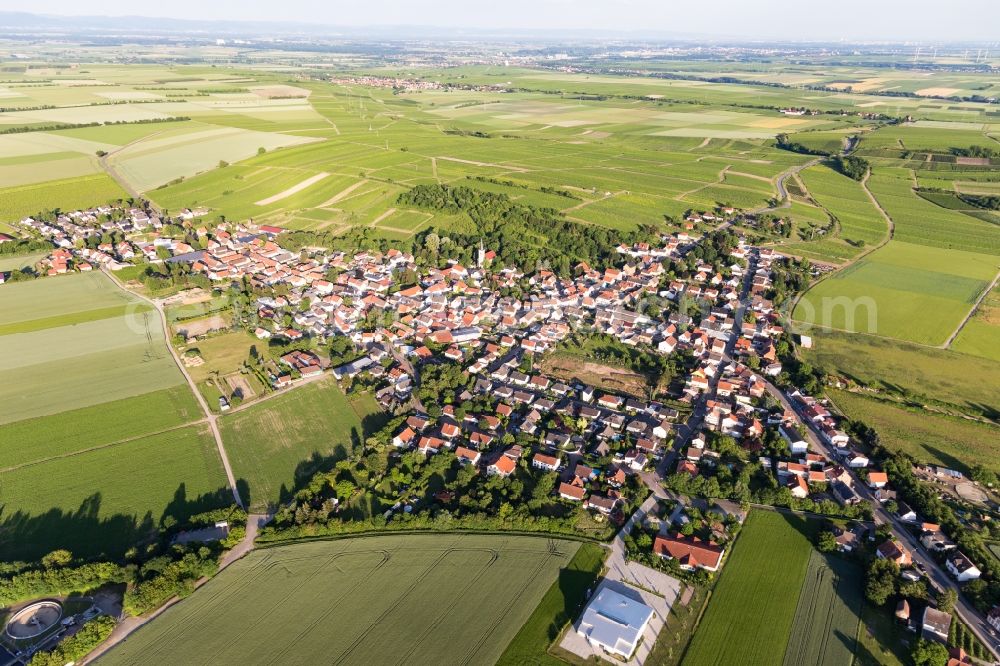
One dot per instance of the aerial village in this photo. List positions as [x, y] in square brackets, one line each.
[609, 450]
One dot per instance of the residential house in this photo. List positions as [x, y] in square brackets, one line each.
[690, 552]
[935, 625]
[894, 551]
[961, 567]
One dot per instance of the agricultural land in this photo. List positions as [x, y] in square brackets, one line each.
[752, 615]
[281, 602]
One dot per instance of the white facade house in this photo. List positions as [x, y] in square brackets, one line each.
[614, 622]
[962, 568]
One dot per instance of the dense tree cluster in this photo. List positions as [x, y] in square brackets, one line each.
[24, 246]
[153, 573]
[786, 143]
[977, 151]
[55, 581]
[851, 166]
[77, 646]
[522, 235]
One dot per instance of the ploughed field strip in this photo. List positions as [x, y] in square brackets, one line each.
[455, 599]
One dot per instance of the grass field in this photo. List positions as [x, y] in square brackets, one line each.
[442, 599]
[981, 335]
[101, 501]
[941, 377]
[12, 262]
[949, 441]
[752, 612]
[279, 443]
[826, 620]
[76, 341]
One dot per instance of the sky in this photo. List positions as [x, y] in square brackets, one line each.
[883, 20]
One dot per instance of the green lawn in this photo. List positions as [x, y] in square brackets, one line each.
[279, 443]
[751, 615]
[944, 440]
[389, 599]
[102, 501]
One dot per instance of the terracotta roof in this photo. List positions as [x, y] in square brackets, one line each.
[689, 550]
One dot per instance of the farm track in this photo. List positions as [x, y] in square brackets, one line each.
[721, 178]
[119, 442]
[343, 193]
[492, 165]
[381, 217]
[113, 172]
[584, 204]
[209, 416]
[972, 312]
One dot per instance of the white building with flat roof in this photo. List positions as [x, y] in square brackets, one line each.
[614, 622]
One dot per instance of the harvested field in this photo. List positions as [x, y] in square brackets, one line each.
[196, 327]
[569, 367]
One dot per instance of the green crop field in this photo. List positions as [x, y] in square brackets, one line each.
[40, 438]
[21, 201]
[279, 443]
[889, 293]
[943, 377]
[560, 606]
[60, 357]
[826, 620]
[102, 500]
[846, 200]
[920, 221]
[409, 599]
[950, 441]
[753, 609]
[100, 438]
